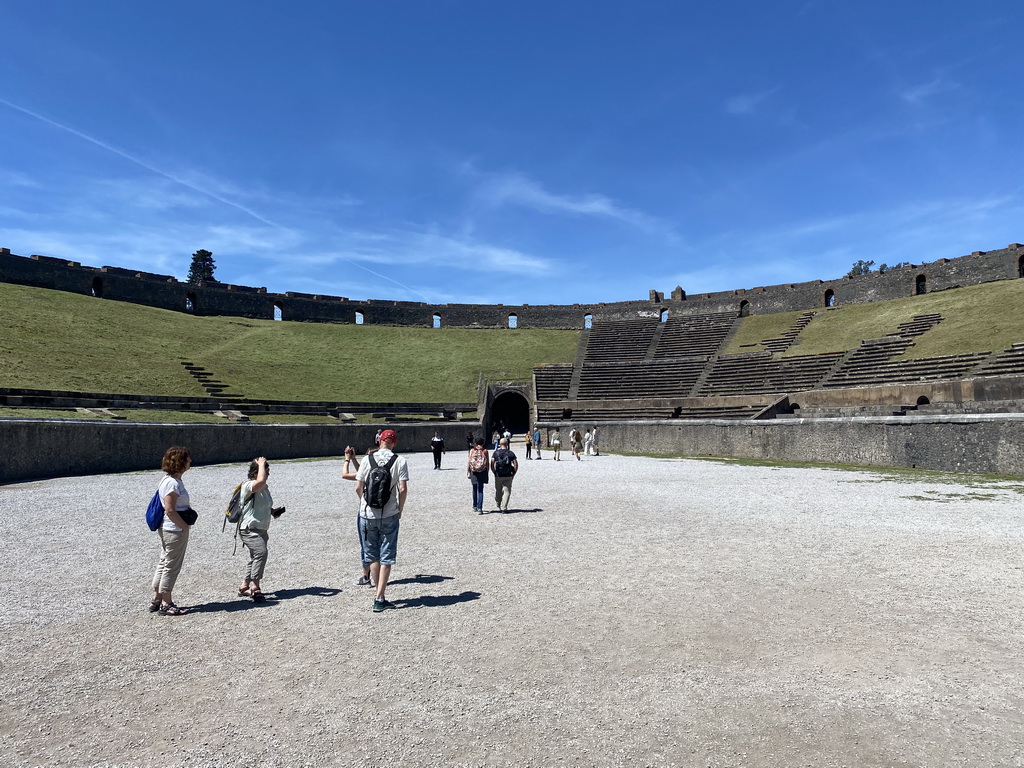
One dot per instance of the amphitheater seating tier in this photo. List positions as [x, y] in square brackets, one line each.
[759, 373]
[694, 336]
[552, 381]
[623, 340]
[637, 379]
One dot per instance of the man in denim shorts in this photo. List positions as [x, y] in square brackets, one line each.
[379, 526]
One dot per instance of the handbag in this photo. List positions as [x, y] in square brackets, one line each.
[190, 516]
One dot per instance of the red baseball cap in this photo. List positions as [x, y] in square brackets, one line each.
[388, 436]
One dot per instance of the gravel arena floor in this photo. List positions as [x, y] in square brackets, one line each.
[628, 611]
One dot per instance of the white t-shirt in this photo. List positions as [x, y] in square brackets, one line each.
[173, 485]
[399, 472]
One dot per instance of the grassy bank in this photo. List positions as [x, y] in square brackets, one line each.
[58, 340]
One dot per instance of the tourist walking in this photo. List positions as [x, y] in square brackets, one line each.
[576, 441]
[588, 443]
[504, 465]
[476, 471]
[593, 437]
[254, 528]
[382, 486]
[437, 448]
[556, 444]
[173, 531]
[536, 440]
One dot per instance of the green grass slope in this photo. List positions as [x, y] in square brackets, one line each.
[977, 318]
[58, 340]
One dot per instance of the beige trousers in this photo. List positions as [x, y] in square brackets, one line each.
[172, 554]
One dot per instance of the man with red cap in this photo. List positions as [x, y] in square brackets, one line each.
[382, 487]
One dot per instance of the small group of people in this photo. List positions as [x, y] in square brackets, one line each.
[257, 510]
[503, 464]
[381, 487]
[577, 443]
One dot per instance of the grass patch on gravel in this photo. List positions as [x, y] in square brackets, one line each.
[882, 474]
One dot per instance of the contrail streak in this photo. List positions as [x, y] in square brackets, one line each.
[141, 163]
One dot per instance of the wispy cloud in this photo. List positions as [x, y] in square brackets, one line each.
[922, 92]
[514, 188]
[139, 162]
[748, 103]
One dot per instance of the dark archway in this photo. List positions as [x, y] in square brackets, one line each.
[191, 304]
[664, 315]
[512, 409]
[922, 400]
[1020, 267]
[278, 312]
[744, 308]
[830, 298]
[921, 285]
[97, 287]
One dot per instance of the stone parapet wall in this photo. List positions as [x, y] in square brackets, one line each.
[984, 443]
[41, 448]
[166, 292]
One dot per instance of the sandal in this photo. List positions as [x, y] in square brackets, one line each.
[244, 592]
[170, 609]
[154, 606]
[257, 596]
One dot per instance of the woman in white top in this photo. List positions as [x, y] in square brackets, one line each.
[173, 532]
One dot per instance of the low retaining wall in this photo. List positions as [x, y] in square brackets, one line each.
[984, 443]
[41, 448]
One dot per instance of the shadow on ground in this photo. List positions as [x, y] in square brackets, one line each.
[437, 601]
[272, 598]
[421, 578]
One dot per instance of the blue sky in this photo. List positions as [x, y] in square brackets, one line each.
[513, 152]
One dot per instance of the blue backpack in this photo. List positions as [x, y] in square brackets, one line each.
[155, 512]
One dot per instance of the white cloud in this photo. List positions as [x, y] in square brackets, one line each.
[747, 103]
[515, 188]
[919, 94]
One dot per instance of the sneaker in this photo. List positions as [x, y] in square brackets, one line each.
[364, 581]
[382, 605]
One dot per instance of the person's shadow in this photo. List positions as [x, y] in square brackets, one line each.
[437, 601]
[271, 598]
[421, 578]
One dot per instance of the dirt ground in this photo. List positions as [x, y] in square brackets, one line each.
[627, 611]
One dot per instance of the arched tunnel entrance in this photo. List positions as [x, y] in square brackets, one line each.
[512, 409]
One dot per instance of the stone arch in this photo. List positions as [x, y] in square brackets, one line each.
[513, 409]
[922, 400]
[513, 320]
[1020, 267]
[97, 287]
[744, 308]
[588, 321]
[921, 285]
[435, 320]
[360, 318]
[829, 298]
[664, 316]
[278, 311]
[191, 302]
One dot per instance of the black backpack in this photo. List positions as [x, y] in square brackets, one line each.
[503, 463]
[377, 489]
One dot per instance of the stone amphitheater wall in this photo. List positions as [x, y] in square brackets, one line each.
[214, 298]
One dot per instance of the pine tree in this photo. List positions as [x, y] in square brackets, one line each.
[202, 267]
